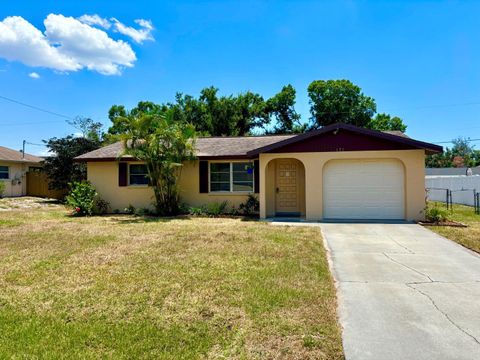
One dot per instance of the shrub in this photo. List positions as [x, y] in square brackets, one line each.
[197, 211]
[2, 188]
[210, 209]
[216, 208]
[130, 209]
[436, 214]
[250, 206]
[82, 197]
[100, 206]
[142, 212]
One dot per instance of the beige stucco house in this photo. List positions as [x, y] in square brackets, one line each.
[14, 166]
[337, 172]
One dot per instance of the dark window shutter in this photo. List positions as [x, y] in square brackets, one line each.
[256, 175]
[203, 176]
[122, 174]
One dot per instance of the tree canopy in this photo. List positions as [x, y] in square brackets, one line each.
[282, 108]
[248, 113]
[60, 167]
[461, 154]
[334, 101]
[385, 122]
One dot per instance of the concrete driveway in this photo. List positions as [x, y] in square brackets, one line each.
[404, 292]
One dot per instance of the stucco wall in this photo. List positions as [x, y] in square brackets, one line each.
[18, 172]
[104, 176]
[413, 161]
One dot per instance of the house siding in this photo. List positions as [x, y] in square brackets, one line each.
[16, 171]
[314, 162]
[104, 176]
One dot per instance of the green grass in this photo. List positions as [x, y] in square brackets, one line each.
[469, 236]
[129, 287]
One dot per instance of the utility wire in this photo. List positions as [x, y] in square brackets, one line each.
[29, 143]
[34, 123]
[36, 108]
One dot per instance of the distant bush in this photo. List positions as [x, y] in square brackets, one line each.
[210, 209]
[2, 188]
[196, 211]
[143, 212]
[217, 208]
[82, 197]
[130, 209]
[250, 206]
[436, 214]
[100, 206]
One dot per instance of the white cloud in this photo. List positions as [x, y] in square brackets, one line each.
[67, 45]
[95, 20]
[137, 35]
[34, 75]
[21, 41]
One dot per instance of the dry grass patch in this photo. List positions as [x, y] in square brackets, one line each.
[469, 236]
[129, 287]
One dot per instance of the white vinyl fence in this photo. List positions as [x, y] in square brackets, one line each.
[462, 187]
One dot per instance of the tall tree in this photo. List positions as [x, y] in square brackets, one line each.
[216, 115]
[117, 115]
[164, 145]
[342, 101]
[60, 168]
[281, 107]
[89, 129]
[461, 154]
[385, 122]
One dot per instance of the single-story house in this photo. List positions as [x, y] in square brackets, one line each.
[14, 166]
[337, 172]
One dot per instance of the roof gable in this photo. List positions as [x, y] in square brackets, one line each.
[343, 137]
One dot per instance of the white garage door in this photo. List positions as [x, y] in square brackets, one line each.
[364, 189]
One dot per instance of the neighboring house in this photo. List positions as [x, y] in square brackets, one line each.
[451, 171]
[14, 166]
[337, 172]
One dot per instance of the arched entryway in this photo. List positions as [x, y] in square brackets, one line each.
[285, 188]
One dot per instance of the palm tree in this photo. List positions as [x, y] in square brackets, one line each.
[164, 145]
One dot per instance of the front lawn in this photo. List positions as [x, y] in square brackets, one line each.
[469, 236]
[131, 287]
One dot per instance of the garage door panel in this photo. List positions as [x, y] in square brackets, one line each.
[368, 189]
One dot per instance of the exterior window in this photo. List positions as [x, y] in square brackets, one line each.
[138, 174]
[219, 176]
[4, 172]
[231, 177]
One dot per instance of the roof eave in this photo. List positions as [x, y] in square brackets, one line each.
[429, 148]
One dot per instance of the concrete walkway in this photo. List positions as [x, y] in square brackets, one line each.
[404, 292]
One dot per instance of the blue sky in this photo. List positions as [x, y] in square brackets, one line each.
[419, 60]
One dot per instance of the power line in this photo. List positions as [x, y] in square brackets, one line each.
[37, 108]
[448, 105]
[29, 143]
[33, 123]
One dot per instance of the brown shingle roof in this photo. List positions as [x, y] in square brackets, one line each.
[249, 146]
[7, 154]
[207, 147]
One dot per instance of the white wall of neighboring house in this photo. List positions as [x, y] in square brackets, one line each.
[462, 188]
[16, 184]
